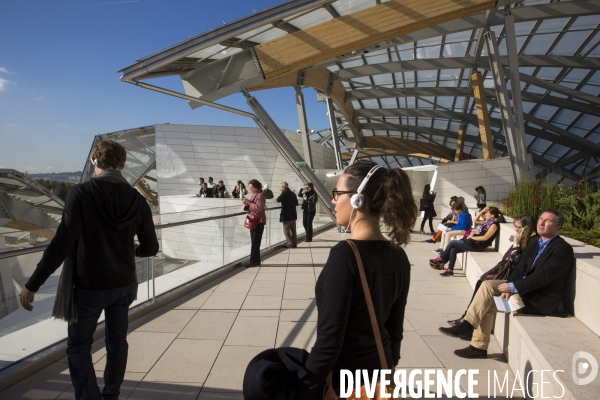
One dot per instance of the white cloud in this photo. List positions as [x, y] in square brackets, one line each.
[4, 70]
[71, 128]
[3, 84]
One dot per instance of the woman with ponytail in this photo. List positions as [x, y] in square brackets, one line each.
[344, 334]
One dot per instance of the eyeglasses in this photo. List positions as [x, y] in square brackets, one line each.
[336, 193]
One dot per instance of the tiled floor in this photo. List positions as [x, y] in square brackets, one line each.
[198, 347]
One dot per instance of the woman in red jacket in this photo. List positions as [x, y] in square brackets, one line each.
[256, 207]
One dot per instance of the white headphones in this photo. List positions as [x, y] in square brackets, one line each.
[357, 201]
[94, 161]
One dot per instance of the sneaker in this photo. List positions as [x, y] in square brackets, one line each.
[437, 260]
[430, 241]
[438, 250]
[447, 272]
[422, 233]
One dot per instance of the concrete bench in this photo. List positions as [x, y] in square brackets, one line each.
[535, 343]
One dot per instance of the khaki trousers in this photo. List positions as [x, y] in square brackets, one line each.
[482, 312]
[448, 236]
[289, 231]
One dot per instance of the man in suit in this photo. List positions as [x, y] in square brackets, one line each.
[539, 279]
[288, 216]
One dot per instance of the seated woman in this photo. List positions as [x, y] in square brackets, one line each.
[485, 236]
[525, 229]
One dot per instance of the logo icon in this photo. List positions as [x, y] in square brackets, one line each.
[580, 367]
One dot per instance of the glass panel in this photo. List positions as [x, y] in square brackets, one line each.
[388, 103]
[540, 44]
[569, 43]
[552, 25]
[315, 17]
[351, 6]
[384, 79]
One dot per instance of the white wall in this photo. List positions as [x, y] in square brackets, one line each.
[187, 152]
[462, 177]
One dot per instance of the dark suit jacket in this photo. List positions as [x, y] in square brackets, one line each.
[543, 286]
[288, 201]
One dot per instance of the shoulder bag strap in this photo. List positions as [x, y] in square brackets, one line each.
[365, 285]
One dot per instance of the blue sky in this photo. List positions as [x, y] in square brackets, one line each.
[59, 80]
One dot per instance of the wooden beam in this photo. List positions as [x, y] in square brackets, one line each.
[147, 194]
[330, 39]
[460, 142]
[410, 146]
[32, 228]
[320, 78]
[487, 143]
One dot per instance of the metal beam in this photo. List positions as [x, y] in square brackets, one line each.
[485, 130]
[419, 130]
[554, 87]
[303, 126]
[518, 164]
[289, 153]
[164, 58]
[465, 62]
[382, 92]
[537, 159]
[334, 136]
[515, 84]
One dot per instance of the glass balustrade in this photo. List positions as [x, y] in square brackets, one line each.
[193, 243]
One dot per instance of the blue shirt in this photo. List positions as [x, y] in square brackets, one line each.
[464, 222]
[543, 244]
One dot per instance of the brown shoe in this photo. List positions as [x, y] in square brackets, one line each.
[457, 331]
[471, 352]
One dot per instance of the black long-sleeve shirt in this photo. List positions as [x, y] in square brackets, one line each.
[345, 338]
[97, 230]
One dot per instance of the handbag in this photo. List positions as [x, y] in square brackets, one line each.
[329, 393]
[423, 204]
[251, 222]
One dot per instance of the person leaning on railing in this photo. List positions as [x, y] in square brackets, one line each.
[256, 207]
[309, 208]
[95, 240]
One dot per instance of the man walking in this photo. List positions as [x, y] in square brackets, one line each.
[96, 236]
[288, 216]
[309, 208]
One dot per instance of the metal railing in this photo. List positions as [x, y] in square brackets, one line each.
[229, 243]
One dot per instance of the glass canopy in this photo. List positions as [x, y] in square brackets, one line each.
[417, 86]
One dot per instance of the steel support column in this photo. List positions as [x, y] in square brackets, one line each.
[289, 153]
[353, 159]
[303, 126]
[515, 85]
[508, 123]
[334, 136]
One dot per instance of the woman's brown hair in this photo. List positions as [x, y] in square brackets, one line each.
[426, 191]
[388, 195]
[256, 184]
[109, 155]
[528, 223]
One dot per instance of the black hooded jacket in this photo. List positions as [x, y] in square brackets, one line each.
[97, 230]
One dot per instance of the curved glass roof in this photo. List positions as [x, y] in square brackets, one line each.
[417, 86]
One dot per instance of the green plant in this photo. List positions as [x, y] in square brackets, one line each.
[580, 205]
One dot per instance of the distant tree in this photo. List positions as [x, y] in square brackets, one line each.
[60, 189]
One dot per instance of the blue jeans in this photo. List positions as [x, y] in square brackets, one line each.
[90, 304]
[455, 247]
